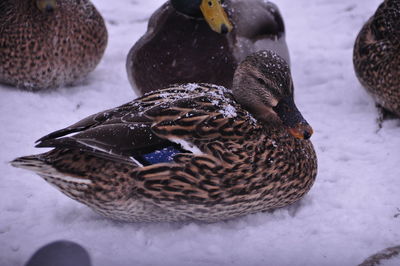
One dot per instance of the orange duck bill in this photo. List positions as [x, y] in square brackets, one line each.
[293, 119]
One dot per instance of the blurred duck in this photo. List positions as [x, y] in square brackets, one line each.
[203, 41]
[49, 43]
[377, 56]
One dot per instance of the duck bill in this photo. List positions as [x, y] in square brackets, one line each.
[293, 119]
[216, 16]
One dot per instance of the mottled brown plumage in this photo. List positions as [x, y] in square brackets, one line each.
[181, 48]
[377, 56]
[49, 43]
[388, 256]
[217, 161]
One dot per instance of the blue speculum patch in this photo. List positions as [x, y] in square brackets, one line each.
[164, 155]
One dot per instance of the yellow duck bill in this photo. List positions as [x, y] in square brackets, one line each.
[216, 16]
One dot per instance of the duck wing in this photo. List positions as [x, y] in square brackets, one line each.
[199, 112]
[174, 120]
[119, 133]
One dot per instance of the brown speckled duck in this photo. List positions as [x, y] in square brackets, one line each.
[49, 43]
[188, 152]
[377, 56]
[203, 41]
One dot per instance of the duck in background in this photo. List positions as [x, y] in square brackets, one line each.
[45, 44]
[203, 41]
[188, 152]
[377, 57]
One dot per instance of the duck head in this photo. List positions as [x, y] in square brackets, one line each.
[211, 10]
[46, 6]
[263, 85]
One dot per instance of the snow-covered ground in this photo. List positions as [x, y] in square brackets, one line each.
[351, 212]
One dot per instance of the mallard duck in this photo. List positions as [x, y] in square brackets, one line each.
[377, 56]
[49, 43]
[188, 41]
[188, 152]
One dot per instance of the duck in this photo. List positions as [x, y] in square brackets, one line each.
[376, 57]
[188, 152]
[45, 44]
[203, 41]
[388, 256]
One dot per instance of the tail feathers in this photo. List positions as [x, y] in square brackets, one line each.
[72, 185]
[32, 163]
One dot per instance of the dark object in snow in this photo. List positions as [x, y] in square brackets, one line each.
[60, 253]
[180, 46]
[383, 256]
[233, 152]
[377, 56]
[45, 44]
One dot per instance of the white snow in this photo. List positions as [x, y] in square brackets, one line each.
[229, 111]
[351, 212]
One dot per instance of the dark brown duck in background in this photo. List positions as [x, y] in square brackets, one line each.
[49, 43]
[187, 41]
[377, 56]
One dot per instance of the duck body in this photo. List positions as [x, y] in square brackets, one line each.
[181, 49]
[56, 46]
[186, 152]
[236, 165]
[376, 56]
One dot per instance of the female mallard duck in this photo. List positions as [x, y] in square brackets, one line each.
[377, 56]
[49, 43]
[188, 41]
[188, 152]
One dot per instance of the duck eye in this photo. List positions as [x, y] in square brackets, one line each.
[210, 3]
